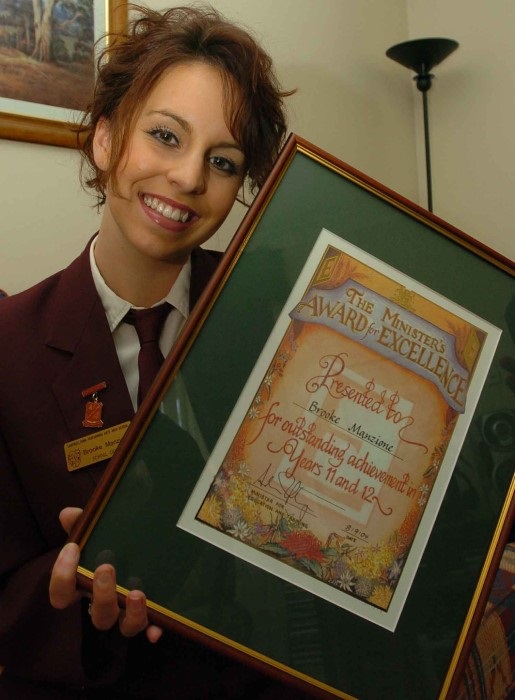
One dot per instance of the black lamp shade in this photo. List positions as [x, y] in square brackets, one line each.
[422, 54]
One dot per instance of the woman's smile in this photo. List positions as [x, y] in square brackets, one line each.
[159, 208]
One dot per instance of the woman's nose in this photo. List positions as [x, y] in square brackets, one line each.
[189, 173]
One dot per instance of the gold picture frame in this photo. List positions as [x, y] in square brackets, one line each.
[18, 126]
[250, 612]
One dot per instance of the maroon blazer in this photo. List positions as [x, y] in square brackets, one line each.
[54, 342]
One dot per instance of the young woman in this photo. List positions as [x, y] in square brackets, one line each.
[186, 108]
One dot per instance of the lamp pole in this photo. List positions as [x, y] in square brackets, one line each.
[420, 55]
[424, 81]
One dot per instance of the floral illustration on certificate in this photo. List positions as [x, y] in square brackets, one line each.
[334, 462]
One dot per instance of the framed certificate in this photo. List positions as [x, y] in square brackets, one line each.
[320, 481]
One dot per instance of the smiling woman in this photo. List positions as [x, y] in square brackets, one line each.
[174, 186]
[186, 108]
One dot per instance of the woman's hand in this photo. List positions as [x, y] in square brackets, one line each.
[104, 609]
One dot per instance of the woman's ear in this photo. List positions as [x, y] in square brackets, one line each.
[102, 144]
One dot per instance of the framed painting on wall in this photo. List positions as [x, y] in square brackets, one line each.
[47, 64]
[320, 481]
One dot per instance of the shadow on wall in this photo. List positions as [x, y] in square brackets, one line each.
[367, 123]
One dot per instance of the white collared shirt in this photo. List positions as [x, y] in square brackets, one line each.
[124, 335]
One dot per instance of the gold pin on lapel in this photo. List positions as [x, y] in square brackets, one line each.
[93, 415]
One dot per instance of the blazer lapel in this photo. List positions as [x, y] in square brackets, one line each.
[203, 264]
[81, 334]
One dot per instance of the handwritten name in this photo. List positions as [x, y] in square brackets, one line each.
[376, 440]
[385, 405]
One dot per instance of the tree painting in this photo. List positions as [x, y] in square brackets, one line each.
[47, 51]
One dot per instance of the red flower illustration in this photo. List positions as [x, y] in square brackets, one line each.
[303, 545]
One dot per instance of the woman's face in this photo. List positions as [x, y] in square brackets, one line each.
[182, 169]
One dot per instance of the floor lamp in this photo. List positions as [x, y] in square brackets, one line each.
[421, 55]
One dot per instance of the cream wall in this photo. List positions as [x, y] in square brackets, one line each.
[351, 101]
[471, 114]
[46, 218]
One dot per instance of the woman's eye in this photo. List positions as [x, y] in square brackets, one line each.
[164, 135]
[224, 164]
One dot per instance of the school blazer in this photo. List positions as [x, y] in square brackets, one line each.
[54, 343]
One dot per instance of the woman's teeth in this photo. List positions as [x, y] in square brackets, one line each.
[166, 210]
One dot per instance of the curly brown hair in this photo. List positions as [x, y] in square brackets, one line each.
[133, 62]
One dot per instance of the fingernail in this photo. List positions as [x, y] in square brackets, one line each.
[69, 552]
[104, 577]
[137, 602]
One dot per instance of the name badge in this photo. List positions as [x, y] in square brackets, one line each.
[93, 448]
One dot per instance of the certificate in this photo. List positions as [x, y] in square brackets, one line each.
[333, 464]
